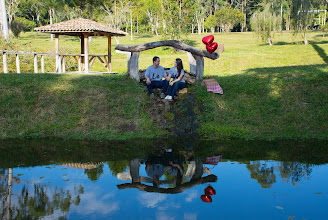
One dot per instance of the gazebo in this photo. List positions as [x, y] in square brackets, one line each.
[82, 28]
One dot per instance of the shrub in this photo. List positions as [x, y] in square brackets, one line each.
[21, 24]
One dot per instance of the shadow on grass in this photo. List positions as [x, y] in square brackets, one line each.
[281, 43]
[268, 103]
[321, 52]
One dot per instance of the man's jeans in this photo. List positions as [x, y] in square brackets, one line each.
[163, 84]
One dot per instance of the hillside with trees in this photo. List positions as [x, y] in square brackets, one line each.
[171, 18]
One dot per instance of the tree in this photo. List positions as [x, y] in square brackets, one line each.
[265, 22]
[210, 23]
[227, 18]
[302, 16]
[4, 23]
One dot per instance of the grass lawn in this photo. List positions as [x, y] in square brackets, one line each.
[270, 92]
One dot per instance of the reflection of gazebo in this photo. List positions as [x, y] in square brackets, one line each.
[86, 166]
[82, 28]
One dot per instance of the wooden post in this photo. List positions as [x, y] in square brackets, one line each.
[109, 67]
[42, 63]
[35, 63]
[64, 64]
[86, 53]
[17, 64]
[133, 65]
[57, 51]
[82, 50]
[5, 66]
[79, 63]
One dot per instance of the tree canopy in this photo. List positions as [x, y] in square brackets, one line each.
[172, 18]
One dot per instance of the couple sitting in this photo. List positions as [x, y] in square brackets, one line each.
[156, 77]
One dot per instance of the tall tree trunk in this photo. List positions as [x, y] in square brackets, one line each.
[131, 21]
[281, 25]
[50, 18]
[305, 40]
[245, 16]
[10, 182]
[4, 30]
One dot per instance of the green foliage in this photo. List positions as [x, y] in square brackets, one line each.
[227, 18]
[265, 22]
[21, 24]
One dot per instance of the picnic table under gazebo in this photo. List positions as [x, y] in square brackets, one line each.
[83, 28]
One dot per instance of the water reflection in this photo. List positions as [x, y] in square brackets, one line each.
[167, 171]
[116, 181]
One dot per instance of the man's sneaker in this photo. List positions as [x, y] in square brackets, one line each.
[152, 95]
[168, 97]
[162, 95]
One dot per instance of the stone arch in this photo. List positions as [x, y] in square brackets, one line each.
[195, 56]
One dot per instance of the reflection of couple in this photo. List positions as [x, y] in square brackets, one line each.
[156, 77]
[157, 165]
[171, 166]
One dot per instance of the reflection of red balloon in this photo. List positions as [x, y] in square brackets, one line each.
[208, 39]
[206, 198]
[212, 47]
[209, 190]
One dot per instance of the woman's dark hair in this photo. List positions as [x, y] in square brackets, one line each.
[179, 65]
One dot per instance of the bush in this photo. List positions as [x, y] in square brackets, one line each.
[21, 24]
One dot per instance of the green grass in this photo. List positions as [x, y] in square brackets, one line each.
[73, 106]
[270, 92]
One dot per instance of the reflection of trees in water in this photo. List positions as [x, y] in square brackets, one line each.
[118, 166]
[290, 172]
[262, 173]
[38, 200]
[294, 171]
[95, 174]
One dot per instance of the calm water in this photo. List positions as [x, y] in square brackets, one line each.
[78, 180]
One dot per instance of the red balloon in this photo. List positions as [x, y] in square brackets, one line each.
[209, 191]
[208, 39]
[212, 47]
[206, 198]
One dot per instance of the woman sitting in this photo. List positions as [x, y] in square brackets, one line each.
[177, 74]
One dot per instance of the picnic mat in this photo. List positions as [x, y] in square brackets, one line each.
[212, 86]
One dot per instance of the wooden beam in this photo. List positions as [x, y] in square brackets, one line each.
[103, 62]
[57, 52]
[92, 60]
[5, 65]
[17, 63]
[42, 64]
[86, 53]
[64, 64]
[109, 38]
[35, 63]
[80, 65]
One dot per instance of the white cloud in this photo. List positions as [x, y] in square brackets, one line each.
[90, 203]
[190, 216]
[151, 200]
[163, 216]
[191, 195]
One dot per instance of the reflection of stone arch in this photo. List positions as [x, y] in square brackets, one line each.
[195, 55]
[194, 170]
[86, 166]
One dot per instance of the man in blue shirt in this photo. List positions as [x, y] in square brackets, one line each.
[154, 78]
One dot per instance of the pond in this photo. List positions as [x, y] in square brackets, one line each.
[163, 179]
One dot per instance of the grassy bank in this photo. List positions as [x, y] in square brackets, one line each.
[74, 106]
[270, 92]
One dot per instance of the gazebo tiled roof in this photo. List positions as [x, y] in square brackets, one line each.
[78, 26]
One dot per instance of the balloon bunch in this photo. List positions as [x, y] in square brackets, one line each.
[209, 191]
[210, 45]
